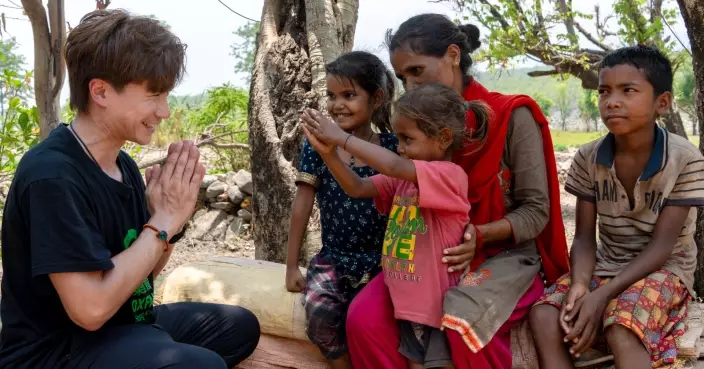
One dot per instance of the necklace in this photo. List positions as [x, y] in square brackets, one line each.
[83, 145]
[351, 164]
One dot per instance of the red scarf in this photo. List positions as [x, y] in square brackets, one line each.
[483, 166]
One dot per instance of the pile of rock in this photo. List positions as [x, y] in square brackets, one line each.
[224, 207]
[563, 160]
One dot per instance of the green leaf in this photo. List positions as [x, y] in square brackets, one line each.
[14, 102]
[23, 121]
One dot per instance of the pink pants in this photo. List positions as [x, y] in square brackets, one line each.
[373, 337]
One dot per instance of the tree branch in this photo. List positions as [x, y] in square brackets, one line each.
[673, 32]
[521, 23]
[655, 10]
[232, 10]
[206, 140]
[601, 30]
[543, 73]
[637, 18]
[58, 43]
[591, 38]
[568, 19]
[541, 19]
[495, 12]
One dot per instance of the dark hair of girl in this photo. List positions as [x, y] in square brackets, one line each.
[370, 73]
[435, 106]
[431, 34]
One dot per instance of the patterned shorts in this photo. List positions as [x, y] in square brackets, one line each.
[654, 309]
[326, 303]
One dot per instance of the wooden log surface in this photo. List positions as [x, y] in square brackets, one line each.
[259, 287]
[284, 353]
[253, 284]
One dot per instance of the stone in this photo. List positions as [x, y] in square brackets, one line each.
[210, 226]
[222, 205]
[235, 195]
[231, 179]
[216, 189]
[243, 179]
[245, 215]
[233, 230]
[200, 213]
[222, 197]
[222, 177]
[208, 180]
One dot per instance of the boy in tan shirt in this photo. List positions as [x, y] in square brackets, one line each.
[644, 184]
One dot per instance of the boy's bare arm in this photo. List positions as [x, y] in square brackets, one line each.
[667, 229]
[583, 252]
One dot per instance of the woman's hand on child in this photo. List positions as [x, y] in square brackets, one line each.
[294, 280]
[459, 257]
[323, 128]
[576, 292]
[589, 311]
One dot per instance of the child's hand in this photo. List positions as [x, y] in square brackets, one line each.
[320, 146]
[576, 292]
[323, 127]
[589, 311]
[294, 280]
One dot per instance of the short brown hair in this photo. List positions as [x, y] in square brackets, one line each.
[435, 106]
[122, 48]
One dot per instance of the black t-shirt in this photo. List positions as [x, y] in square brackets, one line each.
[63, 214]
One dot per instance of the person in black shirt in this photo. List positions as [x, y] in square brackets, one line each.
[83, 236]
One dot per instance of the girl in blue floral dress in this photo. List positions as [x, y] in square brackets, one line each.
[360, 89]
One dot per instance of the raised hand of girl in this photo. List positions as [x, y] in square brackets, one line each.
[320, 146]
[323, 128]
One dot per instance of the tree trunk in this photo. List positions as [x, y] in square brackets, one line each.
[673, 122]
[49, 67]
[693, 14]
[296, 39]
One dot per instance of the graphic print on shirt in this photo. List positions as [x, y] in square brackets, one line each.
[142, 300]
[398, 252]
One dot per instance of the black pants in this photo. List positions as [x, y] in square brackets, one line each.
[186, 335]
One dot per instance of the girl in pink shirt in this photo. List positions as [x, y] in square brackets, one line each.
[425, 196]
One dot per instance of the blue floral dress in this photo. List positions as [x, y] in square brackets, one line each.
[352, 235]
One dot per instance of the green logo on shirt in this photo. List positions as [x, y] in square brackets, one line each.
[142, 300]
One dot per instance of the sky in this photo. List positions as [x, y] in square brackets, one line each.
[208, 29]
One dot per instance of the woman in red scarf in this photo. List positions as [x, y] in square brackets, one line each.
[516, 231]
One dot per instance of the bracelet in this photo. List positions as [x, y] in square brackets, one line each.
[344, 146]
[162, 235]
[479, 241]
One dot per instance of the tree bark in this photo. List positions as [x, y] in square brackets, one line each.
[673, 122]
[330, 26]
[296, 39]
[693, 14]
[49, 68]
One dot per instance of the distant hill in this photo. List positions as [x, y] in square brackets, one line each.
[517, 81]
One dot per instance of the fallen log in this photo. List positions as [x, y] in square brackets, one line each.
[259, 286]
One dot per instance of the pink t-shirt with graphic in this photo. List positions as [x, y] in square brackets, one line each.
[424, 219]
